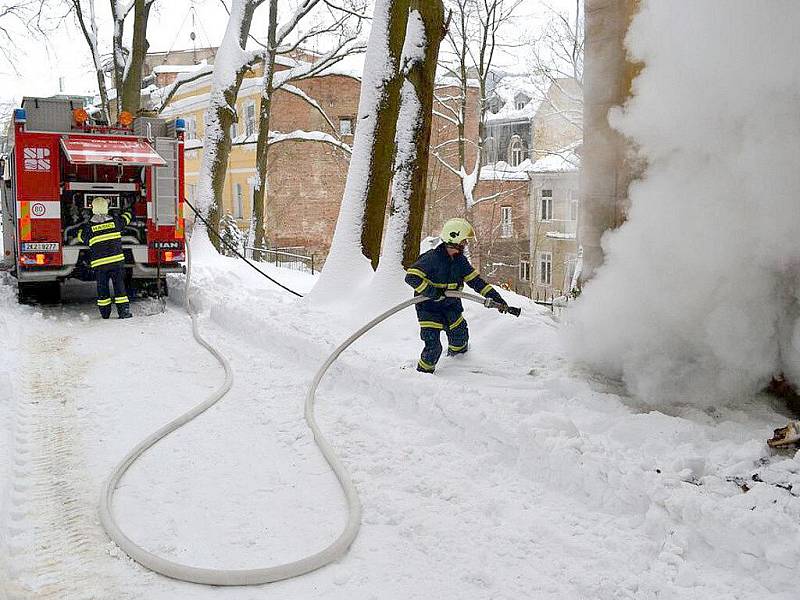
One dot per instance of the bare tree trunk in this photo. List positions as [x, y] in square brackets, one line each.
[422, 77]
[381, 144]
[90, 34]
[262, 147]
[463, 56]
[118, 53]
[132, 75]
[221, 112]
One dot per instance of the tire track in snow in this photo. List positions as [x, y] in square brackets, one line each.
[56, 548]
[7, 354]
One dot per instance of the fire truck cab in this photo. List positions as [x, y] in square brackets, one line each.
[58, 163]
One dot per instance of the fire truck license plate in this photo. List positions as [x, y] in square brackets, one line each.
[39, 247]
[171, 245]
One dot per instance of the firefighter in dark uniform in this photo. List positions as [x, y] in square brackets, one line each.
[103, 234]
[435, 272]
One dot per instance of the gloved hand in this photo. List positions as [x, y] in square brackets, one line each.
[499, 300]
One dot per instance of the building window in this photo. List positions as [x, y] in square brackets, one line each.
[234, 130]
[546, 268]
[252, 183]
[571, 262]
[515, 151]
[546, 206]
[572, 196]
[250, 118]
[238, 201]
[191, 128]
[506, 225]
[521, 104]
[489, 156]
[524, 270]
[192, 192]
[345, 126]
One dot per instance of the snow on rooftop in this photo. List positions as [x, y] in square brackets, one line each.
[178, 68]
[517, 96]
[502, 171]
[350, 66]
[564, 161]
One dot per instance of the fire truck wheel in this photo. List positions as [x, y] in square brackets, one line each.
[48, 292]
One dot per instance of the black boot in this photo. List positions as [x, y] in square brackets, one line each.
[124, 311]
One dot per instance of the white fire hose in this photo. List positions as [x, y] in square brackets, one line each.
[265, 574]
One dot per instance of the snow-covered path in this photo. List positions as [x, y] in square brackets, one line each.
[507, 475]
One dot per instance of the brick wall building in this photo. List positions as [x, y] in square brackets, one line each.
[305, 180]
[502, 229]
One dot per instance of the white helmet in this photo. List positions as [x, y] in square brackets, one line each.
[100, 206]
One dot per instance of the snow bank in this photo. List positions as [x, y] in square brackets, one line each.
[698, 299]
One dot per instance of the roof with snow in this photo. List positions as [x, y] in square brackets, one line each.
[514, 98]
[566, 160]
[178, 68]
[502, 171]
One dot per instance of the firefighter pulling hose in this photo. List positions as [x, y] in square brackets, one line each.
[257, 576]
[437, 271]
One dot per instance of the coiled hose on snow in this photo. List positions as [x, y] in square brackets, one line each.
[258, 575]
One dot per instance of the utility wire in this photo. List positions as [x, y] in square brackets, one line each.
[236, 251]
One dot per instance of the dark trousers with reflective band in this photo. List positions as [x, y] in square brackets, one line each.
[432, 324]
[105, 277]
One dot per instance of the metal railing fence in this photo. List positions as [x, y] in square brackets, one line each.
[290, 258]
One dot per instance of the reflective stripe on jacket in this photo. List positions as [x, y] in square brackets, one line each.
[104, 239]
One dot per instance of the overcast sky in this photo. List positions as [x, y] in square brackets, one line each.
[42, 64]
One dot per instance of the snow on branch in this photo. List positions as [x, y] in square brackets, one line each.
[307, 70]
[308, 136]
[350, 11]
[502, 193]
[448, 118]
[289, 26]
[298, 92]
[447, 165]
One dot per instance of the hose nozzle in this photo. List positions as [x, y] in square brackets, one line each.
[503, 308]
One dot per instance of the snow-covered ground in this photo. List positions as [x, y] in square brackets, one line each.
[508, 474]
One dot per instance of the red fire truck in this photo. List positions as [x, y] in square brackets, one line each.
[58, 162]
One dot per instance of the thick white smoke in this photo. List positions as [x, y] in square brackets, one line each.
[698, 298]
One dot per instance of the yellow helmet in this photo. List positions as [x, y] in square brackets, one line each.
[100, 206]
[457, 231]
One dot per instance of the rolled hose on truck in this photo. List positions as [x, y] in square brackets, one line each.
[257, 576]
